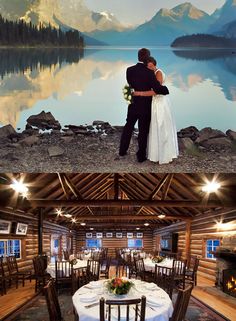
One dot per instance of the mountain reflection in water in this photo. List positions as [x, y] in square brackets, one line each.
[79, 88]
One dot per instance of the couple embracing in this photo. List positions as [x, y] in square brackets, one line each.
[157, 139]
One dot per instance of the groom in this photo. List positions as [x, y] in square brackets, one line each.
[140, 78]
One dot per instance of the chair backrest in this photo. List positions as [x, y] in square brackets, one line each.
[1, 268]
[134, 309]
[12, 264]
[80, 277]
[52, 302]
[66, 254]
[39, 266]
[93, 267]
[164, 278]
[63, 270]
[193, 263]
[139, 267]
[181, 303]
[105, 266]
[179, 267]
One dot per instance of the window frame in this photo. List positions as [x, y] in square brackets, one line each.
[99, 240]
[212, 248]
[7, 247]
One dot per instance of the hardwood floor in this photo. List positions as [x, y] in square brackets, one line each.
[215, 298]
[15, 298]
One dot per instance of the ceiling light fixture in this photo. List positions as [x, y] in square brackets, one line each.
[82, 224]
[68, 215]
[19, 187]
[211, 187]
[146, 224]
[59, 212]
[73, 220]
[91, 228]
[137, 228]
[161, 216]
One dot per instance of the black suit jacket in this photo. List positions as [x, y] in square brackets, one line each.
[140, 78]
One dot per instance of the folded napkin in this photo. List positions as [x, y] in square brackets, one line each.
[95, 284]
[154, 301]
[150, 286]
[88, 297]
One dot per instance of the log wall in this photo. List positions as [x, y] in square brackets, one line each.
[29, 242]
[203, 227]
[113, 242]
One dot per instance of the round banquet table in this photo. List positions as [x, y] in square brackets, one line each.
[51, 268]
[158, 306]
[150, 266]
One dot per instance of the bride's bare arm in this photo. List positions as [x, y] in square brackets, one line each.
[159, 76]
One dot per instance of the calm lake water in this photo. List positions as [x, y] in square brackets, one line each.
[78, 89]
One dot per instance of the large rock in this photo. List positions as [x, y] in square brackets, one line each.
[217, 143]
[29, 141]
[190, 132]
[231, 134]
[6, 131]
[185, 143]
[55, 151]
[44, 121]
[208, 133]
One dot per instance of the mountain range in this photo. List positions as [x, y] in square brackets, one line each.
[104, 27]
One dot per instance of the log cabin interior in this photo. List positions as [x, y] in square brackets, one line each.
[125, 217]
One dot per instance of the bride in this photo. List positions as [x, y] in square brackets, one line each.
[162, 140]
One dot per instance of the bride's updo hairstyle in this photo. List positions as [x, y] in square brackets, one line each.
[143, 55]
[152, 60]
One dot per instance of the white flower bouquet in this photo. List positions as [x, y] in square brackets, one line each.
[127, 92]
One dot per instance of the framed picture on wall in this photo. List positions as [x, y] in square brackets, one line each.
[99, 235]
[119, 235]
[109, 234]
[5, 227]
[21, 229]
[130, 235]
[89, 235]
[140, 235]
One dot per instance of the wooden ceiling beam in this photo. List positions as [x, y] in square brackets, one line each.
[135, 203]
[129, 217]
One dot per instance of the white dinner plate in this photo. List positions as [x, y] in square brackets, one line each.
[88, 297]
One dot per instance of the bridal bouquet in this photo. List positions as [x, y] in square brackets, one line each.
[127, 92]
[119, 286]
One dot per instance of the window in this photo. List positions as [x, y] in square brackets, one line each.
[93, 242]
[211, 246]
[135, 243]
[10, 247]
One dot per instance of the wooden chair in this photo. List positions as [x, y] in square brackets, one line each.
[66, 255]
[140, 270]
[80, 277]
[52, 302]
[164, 278]
[181, 303]
[40, 274]
[105, 267]
[139, 306]
[63, 274]
[179, 268]
[14, 271]
[93, 270]
[191, 271]
[3, 287]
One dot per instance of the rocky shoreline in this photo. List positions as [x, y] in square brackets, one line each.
[44, 146]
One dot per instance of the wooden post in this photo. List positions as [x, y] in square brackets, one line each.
[40, 232]
[187, 240]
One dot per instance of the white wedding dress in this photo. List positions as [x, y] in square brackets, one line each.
[162, 139]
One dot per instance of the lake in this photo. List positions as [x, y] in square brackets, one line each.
[78, 88]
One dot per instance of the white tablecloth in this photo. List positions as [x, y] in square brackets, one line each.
[150, 266]
[162, 311]
[51, 268]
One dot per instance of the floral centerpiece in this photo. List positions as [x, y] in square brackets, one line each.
[127, 92]
[157, 259]
[119, 286]
[73, 260]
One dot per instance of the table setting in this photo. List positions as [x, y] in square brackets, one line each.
[86, 299]
[51, 268]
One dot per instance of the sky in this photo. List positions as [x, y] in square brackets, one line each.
[138, 11]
